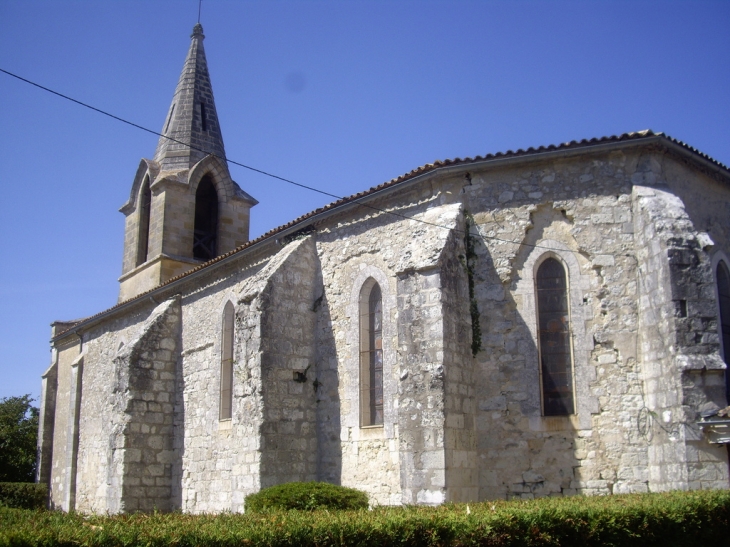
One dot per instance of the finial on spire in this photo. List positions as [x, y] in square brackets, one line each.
[200, 5]
[197, 31]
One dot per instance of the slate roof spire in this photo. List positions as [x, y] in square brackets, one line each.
[192, 118]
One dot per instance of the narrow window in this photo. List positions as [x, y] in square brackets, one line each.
[203, 120]
[723, 293]
[143, 235]
[226, 395]
[205, 233]
[556, 363]
[169, 119]
[371, 355]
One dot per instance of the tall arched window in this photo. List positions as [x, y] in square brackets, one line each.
[556, 361]
[226, 393]
[143, 236]
[371, 355]
[723, 293]
[205, 233]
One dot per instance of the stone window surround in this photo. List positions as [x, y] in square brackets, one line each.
[214, 168]
[584, 372]
[352, 362]
[717, 257]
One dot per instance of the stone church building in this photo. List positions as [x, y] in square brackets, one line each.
[545, 322]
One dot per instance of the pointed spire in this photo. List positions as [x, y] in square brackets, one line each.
[192, 118]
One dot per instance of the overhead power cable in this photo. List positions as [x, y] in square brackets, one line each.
[109, 114]
[261, 171]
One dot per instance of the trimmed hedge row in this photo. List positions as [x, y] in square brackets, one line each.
[23, 495]
[671, 519]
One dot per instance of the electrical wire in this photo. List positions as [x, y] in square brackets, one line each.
[261, 171]
[356, 200]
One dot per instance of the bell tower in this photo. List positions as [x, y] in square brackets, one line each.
[184, 208]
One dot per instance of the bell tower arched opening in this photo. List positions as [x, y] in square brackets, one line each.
[205, 235]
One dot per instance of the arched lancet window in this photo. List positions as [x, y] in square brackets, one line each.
[371, 355]
[723, 293]
[226, 393]
[145, 203]
[556, 361]
[205, 233]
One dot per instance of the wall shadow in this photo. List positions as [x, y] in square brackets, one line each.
[327, 391]
[520, 452]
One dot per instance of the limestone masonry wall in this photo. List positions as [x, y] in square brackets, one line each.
[289, 431]
[131, 405]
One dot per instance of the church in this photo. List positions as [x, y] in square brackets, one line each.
[544, 322]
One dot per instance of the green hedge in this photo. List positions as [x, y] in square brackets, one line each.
[23, 495]
[306, 496]
[672, 519]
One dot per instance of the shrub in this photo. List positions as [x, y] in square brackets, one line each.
[23, 495]
[676, 519]
[306, 496]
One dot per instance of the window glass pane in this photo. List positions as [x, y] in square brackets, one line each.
[554, 339]
[226, 380]
[371, 357]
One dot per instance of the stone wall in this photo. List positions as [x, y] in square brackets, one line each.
[421, 415]
[289, 449]
[101, 345]
[60, 482]
[585, 208]
[460, 413]
[680, 342]
[220, 457]
[142, 447]
[462, 420]
[578, 211]
[224, 460]
[371, 245]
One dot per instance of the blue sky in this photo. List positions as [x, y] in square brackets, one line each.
[340, 95]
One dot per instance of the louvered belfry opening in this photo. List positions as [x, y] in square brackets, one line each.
[145, 202]
[723, 293]
[205, 235]
[371, 357]
[556, 363]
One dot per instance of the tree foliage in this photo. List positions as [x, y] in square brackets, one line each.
[18, 439]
